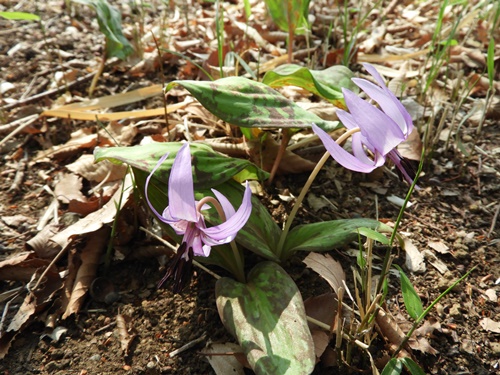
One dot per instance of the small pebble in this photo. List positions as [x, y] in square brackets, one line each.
[95, 357]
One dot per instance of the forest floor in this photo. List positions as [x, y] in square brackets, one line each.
[136, 327]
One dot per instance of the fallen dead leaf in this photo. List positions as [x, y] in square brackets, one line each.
[328, 268]
[21, 267]
[414, 260]
[125, 337]
[86, 167]
[439, 246]
[490, 325]
[223, 357]
[90, 254]
[68, 188]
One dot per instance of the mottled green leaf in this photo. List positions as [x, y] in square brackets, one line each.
[210, 167]
[250, 104]
[327, 83]
[268, 318]
[411, 299]
[289, 14]
[110, 24]
[326, 235]
[210, 170]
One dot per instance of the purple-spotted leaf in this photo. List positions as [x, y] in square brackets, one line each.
[327, 83]
[289, 14]
[210, 167]
[326, 235]
[250, 104]
[267, 316]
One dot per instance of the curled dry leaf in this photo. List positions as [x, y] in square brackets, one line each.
[41, 244]
[96, 220]
[439, 246]
[68, 188]
[22, 267]
[414, 258]
[34, 302]
[225, 358]
[86, 167]
[125, 337]
[490, 325]
[95, 246]
[328, 268]
[322, 308]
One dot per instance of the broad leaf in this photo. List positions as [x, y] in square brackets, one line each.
[326, 235]
[289, 14]
[110, 24]
[374, 235]
[412, 366]
[326, 83]
[242, 102]
[393, 367]
[268, 318]
[412, 301]
[210, 167]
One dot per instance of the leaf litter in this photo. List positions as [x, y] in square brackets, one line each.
[46, 263]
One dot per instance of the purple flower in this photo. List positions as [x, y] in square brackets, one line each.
[381, 130]
[184, 215]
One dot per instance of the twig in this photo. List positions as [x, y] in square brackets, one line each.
[189, 345]
[56, 90]
[28, 120]
[19, 177]
[494, 221]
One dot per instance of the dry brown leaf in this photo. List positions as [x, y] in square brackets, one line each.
[328, 268]
[321, 340]
[86, 167]
[21, 267]
[391, 331]
[68, 188]
[125, 337]
[490, 325]
[429, 326]
[435, 262]
[439, 246]
[41, 244]
[34, 302]
[411, 148]
[322, 308]
[96, 243]
[414, 260]
[95, 220]
[223, 358]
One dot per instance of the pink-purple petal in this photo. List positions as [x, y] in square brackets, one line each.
[146, 185]
[180, 187]
[381, 131]
[226, 231]
[346, 119]
[339, 154]
[227, 207]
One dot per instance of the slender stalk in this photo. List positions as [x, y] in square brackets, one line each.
[285, 138]
[305, 189]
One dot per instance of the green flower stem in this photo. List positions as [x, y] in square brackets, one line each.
[306, 188]
[426, 311]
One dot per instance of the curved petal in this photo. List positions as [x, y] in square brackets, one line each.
[146, 185]
[226, 231]
[381, 131]
[340, 155]
[389, 103]
[227, 207]
[359, 151]
[407, 118]
[193, 239]
[347, 119]
[180, 187]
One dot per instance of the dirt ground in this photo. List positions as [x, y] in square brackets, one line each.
[453, 217]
